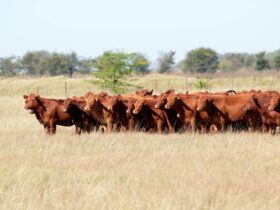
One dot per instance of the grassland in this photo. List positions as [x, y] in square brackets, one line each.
[134, 170]
[55, 86]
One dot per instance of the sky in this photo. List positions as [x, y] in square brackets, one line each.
[91, 27]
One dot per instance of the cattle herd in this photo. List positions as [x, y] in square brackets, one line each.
[168, 112]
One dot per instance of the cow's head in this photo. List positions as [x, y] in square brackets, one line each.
[171, 100]
[113, 101]
[90, 100]
[139, 104]
[130, 106]
[274, 103]
[251, 105]
[67, 104]
[202, 102]
[31, 102]
[161, 101]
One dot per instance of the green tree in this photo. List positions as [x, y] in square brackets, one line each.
[86, 66]
[113, 66]
[233, 61]
[201, 60]
[32, 62]
[261, 62]
[9, 66]
[61, 64]
[141, 64]
[250, 61]
[166, 62]
[276, 62]
[72, 64]
[225, 65]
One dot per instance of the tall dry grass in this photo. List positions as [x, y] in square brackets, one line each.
[134, 170]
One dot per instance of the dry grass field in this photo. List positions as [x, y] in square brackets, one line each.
[129, 171]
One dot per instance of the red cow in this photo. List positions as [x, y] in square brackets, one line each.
[48, 112]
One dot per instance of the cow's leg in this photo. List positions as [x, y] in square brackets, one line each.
[272, 129]
[109, 126]
[203, 128]
[47, 129]
[123, 127]
[160, 126]
[169, 124]
[213, 129]
[193, 125]
[52, 127]
[131, 123]
[78, 130]
[264, 128]
[223, 124]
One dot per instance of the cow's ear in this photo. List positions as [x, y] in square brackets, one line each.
[209, 99]
[119, 97]
[151, 91]
[25, 97]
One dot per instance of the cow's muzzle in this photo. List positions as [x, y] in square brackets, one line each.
[167, 106]
[87, 108]
[156, 106]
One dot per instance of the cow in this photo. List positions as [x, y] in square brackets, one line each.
[185, 106]
[260, 103]
[49, 112]
[75, 108]
[98, 107]
[225, 110]
[173, 122]
[118, 107]
[155, 118]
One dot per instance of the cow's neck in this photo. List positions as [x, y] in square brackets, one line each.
[79, 104]
[184, 106]
[212, 110]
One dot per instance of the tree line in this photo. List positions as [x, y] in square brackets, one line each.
[117, 63]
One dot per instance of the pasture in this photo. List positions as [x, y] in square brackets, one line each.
[133, 170]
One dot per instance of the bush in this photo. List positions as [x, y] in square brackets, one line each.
[201, 84]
